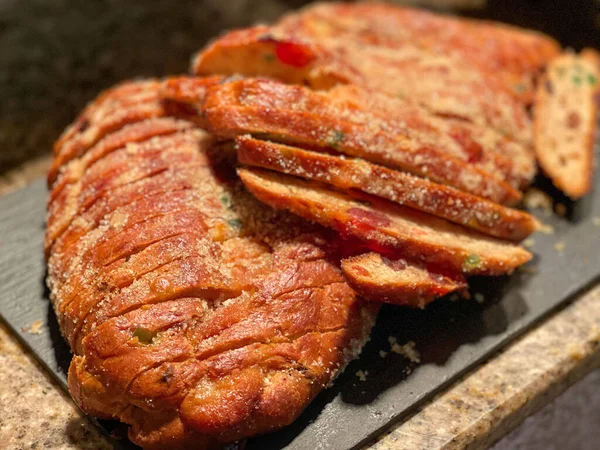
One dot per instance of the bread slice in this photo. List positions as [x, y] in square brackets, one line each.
[403, 188]
[566, 112]
[384, 225]
[287, 114]
[442, 84]
[502, 158]
[196, 314]
[513, 54]
[398, 281]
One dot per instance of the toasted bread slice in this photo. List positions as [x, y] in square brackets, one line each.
[398, 281]
[566, 112]
[285, 113]
[384, 225]
[403, 188]
[513, 54]
[442, 84]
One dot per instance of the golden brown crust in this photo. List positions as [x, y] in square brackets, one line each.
[295, 114]
[196, 314]
[566, 113]
[442, 81]
[387, 226]
[405, 189]
[398, 281]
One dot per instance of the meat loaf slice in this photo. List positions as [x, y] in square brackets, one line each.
[295, 114]
[197, 314]
[443, 84]
[403, 188]
[419, 236]
[398, 281]
[566, 112]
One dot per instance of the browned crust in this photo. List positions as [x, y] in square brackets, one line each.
[197, 315]
[419, 236]
[566, 112]
[443, 84]
[418, 193]
[398, 281]
[515, 54]
[239, 107]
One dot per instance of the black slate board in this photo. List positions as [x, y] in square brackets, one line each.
[450, 336]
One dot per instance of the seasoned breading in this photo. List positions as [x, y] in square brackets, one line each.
[197, 315]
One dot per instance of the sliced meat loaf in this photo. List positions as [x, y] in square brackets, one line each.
[566, 112]
[418, 236]
[197, 315]
[403, 188]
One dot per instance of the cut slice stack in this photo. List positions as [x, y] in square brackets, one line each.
[379, 171]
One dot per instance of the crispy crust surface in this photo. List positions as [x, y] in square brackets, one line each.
[440, 66]
[196, 314]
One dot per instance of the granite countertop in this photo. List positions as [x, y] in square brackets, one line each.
[473, 413]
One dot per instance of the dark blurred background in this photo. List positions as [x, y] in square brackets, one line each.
[55, 55]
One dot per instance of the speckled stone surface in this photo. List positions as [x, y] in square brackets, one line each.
[34, 412]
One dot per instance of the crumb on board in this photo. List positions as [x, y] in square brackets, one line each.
[546, 229]
[362, 375]
[559, 246]
[35, 328]
[479, 297]
[536, 199]
[407, 350]
[596, 221]
[528, 242]
[561, 209]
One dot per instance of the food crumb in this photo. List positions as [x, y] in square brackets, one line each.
[546, 229]
[382, 353]
[528, 243]
[559, 246]
[362, 375]
[536, 199]
[479, 298]
[561, 209]
[35, 328]
[596, 221]
[407, 350]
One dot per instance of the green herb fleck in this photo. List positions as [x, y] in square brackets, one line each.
[235, 223]
[269, 57]
[335, 139]
[144, 335]
[592, 79]
[519, 88]
[471, 262]
[226, 201]
[577, 80]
